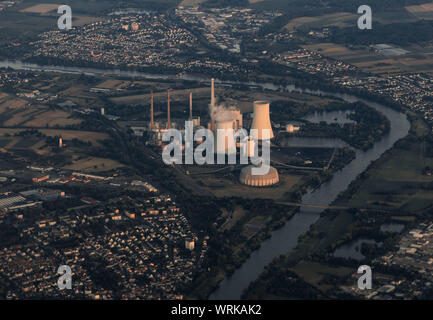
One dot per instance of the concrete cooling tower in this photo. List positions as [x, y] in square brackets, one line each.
[262, 119]
[225, 130]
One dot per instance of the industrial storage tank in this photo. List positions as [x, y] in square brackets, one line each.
[246, 177]
[262, 119]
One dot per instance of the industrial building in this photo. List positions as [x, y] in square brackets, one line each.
[248, 178]
[224, 123]
[11, 202]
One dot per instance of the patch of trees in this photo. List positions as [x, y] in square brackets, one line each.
[278, 280]
[102, 276]
[396, 33]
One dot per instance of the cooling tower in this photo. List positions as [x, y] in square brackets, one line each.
[262, 119]
[251, 148]
[225, 132]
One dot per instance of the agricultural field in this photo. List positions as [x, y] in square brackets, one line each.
[92, 7]
[50, 9]
[18, 118]
[9, 102]
[35, 116]
[10, 142]
[419, 59]
[42, 8]
[51, 118]
[113, 84]
[93, 164]
[86, 136]
[190, 3]
[397, 181]
[339, 19]
[314, 273]
[30, 18]
[422, 11]
[396, 184]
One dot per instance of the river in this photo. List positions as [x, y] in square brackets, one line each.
[284, 239]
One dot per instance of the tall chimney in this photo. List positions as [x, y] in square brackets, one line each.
[212, 104]
[152, 124]
[190, 106]
[212, 99]
[168, 110]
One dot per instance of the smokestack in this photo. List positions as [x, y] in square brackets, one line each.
[152, 124]
[190, 106]
[168, 110]
[212, 104]
[262, 120]
[212, 98]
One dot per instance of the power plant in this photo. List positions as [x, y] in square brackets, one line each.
[224, 123]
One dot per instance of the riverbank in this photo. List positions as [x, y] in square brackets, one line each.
[404, 183]
[207, 282]
[286, 238]
[313, 259]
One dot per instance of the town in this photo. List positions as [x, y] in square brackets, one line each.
[133, 247]
[87, 179]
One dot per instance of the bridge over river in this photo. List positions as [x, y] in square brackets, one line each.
[310, 205]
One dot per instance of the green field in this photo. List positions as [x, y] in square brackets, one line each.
[97, 7]
[397, 180]
[314, 273]
[396, 184]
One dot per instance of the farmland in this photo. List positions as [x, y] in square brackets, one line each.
[87, 136]
[419, 59]
[397, 181]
